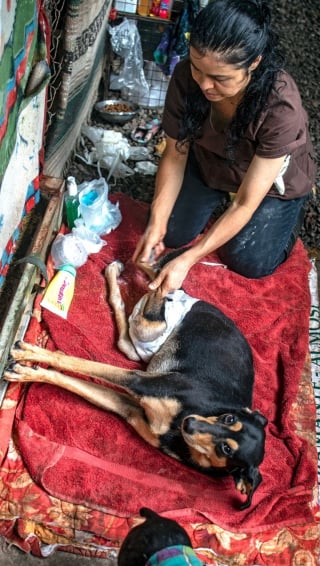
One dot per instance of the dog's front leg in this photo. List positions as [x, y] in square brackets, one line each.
[125, 345]
[92, 392]
[24, 352]
[119, 403]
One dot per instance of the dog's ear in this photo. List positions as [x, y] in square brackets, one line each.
[247, 481]
[260, 418]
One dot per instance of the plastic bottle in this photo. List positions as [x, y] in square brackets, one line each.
[71, 202]
[143, 7]
[161, 9]
[59, 293]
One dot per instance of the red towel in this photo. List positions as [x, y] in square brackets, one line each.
[84, 455]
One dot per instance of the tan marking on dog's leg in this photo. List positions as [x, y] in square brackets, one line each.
[96, 394]
[112, 272]
[160, 412]
[25, 352]
[147, 268]
[102, 397]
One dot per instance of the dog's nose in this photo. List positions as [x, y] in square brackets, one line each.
[189, 425]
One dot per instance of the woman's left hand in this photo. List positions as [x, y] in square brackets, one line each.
[171, 276]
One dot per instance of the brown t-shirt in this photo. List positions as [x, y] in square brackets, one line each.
[282, 129]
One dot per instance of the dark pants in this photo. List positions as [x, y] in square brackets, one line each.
[263, 244]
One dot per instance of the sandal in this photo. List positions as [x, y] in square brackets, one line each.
[145, 132]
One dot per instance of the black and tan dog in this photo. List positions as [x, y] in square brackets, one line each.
[193, 401]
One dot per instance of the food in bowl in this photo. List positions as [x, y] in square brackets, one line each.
[117, 107]
[116, 111]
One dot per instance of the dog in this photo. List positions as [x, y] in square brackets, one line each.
[153, 541]
[193, 401]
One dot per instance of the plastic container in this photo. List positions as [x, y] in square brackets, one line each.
[71, 202]
[161, 9]
[68, 249]
[143, 7]
[93, 205]
[59, 293]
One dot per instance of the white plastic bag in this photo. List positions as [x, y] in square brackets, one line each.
[126, 42]
[111, 149]
[98, 214]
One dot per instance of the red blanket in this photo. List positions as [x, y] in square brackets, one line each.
[83, 455]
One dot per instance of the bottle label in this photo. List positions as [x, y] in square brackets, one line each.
[59, 294]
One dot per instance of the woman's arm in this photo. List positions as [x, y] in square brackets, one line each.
[167, 187]
[254, 187]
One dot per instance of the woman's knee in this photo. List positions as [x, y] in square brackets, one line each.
[252, 266]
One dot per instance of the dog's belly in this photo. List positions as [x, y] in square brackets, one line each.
[208, 356]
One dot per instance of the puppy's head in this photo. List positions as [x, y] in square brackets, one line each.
[156, 533]
[232, 442]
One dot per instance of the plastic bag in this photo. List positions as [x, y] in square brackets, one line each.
[99, 215]
[68, 249]
[158, 85]
[125, 42]
[146, 168]
[110, 150]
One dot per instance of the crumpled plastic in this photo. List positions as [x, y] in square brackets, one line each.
[110, 150]
[126, 42]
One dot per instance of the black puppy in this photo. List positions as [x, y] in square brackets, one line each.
[152, 536]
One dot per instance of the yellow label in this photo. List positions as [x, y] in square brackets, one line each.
[59, 294]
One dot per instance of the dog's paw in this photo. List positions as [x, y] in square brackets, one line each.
[114, 268]
[16, 373]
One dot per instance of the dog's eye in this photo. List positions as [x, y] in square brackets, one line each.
[169, 299]
[225, 449]
[228, 419]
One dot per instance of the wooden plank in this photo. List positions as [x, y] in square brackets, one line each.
[20, 308]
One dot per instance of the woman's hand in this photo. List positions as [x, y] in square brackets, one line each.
[167, 187]
[171, 276]
[149, 247]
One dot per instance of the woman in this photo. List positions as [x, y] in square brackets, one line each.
[235, 124]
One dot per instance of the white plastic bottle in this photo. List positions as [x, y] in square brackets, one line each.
[59, 293]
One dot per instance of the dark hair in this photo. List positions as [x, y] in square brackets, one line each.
[240, 31]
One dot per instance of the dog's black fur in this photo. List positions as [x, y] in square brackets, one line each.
[153, 535]
[194, 400]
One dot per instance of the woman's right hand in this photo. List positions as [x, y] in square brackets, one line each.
[150, 246]
[167, 187]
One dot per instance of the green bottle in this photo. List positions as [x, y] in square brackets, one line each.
[71, 202]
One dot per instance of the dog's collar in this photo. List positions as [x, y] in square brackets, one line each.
[175, 556]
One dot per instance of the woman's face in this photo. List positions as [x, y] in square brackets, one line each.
[217, 80]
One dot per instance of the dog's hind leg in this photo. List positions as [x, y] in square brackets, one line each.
[125, 345]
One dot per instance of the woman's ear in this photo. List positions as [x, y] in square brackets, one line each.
[255, 63]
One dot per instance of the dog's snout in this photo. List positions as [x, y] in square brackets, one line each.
[190, 425]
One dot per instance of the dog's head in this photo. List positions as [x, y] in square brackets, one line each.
[232, 442]
[153, 535]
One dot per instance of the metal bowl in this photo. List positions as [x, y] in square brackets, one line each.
[116, 111]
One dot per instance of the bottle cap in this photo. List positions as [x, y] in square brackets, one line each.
[69, 268]
[72, 186]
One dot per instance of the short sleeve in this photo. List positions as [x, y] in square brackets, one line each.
[282, 127]
[180, 84]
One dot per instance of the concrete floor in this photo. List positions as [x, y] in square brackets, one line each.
[13, 556]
